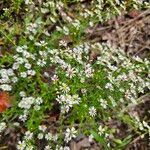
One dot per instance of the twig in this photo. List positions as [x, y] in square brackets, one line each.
[139, 101]
[3, 147]
[7, 37]
[146, 46]
[136, 18]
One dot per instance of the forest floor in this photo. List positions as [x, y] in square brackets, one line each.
[41, 69]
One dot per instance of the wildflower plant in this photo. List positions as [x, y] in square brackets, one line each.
[46, 75]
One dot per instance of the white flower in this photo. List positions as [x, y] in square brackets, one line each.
[15, 66]
[37, 107]
[91, 138]
[26, 102]
[68, 101]
[20, 60]
[92, 111]
[76, 99]
[55, 137]
[21, 145]
[83, 91]
[27, 2]
[22, 94]
[41, 62]
[40, 136]
[140, 126]
[23, 74]
[14, 79]
[82, 80]
[29, 147]
[26, 54]
[42, 128]
[10, 72]
[64, 88]
[88, 70]
[70, 72]
[101, 130]
[65, 109]
[109, 86]
[48, 136]
[5, 79]
[58, 28]
[54, 78]
[46, 75]
[24, 116]
[47, 147]
[63, 43]
[2, 126]
[66, 148]
[112, 101]
[44, 10]
[27, 65]
[41, 43]
[91, 24]
[3, 72]
[19, 49]
[17, 124]
[103, 103]
[43, 54]
[28, 135]
[76, 24]
[69, 134]
[24, 47]
[6, 87]
[65, 30]
[31, 72]
[38, 100]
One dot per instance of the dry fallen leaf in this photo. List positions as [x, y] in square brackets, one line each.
[1, 42]
[67, 39]
[94, 54]
[4, 101]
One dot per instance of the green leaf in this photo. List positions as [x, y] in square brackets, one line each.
[98, 138]
[118, 141]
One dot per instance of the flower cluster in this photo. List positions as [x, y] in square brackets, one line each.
[67, 101]
[69, 134]
[59, 88]
[7, 78]
[25, 144]
[48, 136]
[27, 102]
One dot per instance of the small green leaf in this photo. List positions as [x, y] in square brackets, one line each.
[118, 141]
[98, 138]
